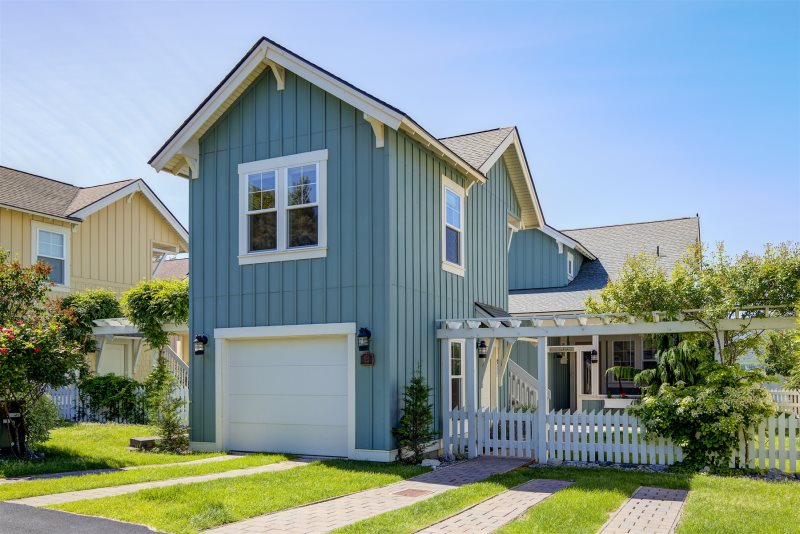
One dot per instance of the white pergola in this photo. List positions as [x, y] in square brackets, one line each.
[122, 328]
[536, 329]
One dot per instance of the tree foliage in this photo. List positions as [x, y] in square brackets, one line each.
[705, 419]
[679, 365]
[779, 353]
[82, 309]
[23, 290]
[415, 429]
[151, 304]
[706, 287]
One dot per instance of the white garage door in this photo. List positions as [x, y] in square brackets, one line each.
[288, 395]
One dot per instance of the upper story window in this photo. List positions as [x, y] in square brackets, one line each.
[452, 227]
[51, 246]
[570, 265]
[282, 213]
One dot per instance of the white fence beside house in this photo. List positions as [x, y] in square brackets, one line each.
[71, 408]
[612, 436]
[787, 400]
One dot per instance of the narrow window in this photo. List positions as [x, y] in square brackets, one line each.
[570, 266]
[456, 374]
[51, 248]
[452, 227]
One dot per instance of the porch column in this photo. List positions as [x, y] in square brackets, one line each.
[541, 409]
[472, 397]
[446, 396]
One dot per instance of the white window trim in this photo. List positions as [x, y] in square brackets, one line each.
[570, 265]
[280, 165]
[450, 267]
[64, 231]
[462, 377]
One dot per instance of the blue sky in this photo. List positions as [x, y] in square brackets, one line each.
[628, 111]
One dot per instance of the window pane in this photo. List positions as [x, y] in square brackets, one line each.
[51, 244]
[302, 175]
[302, 194]
[261, 191]
[302, 227]
[455, 397]
[452, 246]
[56, 269]
[452, 209]
[263, 231]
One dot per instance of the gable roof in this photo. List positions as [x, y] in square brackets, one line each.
[169, 268]
[612, 245]
[181, 151]
[44, 196]
[476, 148]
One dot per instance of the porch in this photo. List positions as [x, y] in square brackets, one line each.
[478, 419]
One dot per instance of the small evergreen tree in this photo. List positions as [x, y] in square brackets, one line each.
[415, 429]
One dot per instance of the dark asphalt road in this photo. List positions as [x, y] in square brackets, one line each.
[21, 519]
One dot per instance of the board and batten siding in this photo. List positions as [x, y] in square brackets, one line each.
[535, 263]
[111, 248]
[421, 293]
[349, 285]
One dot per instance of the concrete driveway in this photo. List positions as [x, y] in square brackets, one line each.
[17, 518]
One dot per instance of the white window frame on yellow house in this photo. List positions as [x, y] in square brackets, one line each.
[36, 228]
[280, 167]
[459, 268]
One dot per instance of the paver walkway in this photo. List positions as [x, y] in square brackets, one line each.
[648, 511]
[493, 513]
[213, 459]
[335, 513]
[98, 493]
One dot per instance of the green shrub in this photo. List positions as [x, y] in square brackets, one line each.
[117, 398]
[153, 303]
[41, 416]
[83, 309]
[705, 419]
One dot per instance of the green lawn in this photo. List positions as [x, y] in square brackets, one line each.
[91, 446]
[20, 490]
[194, 507]
[719, 505]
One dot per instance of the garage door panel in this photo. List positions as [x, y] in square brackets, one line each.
[299, 439]
[289, 380]
[282, 409]
[295, 351]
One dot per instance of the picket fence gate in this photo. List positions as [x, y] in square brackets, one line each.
[612, 436]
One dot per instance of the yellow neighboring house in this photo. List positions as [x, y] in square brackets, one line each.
[105, 236]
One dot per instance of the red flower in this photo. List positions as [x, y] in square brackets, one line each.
[36, 349]
[4, 351]
[20, 323]
[10, 336]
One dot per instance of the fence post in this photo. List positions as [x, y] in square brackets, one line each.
[542, 405]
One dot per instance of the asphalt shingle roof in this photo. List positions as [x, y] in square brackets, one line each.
[38, 194]
[612, 245]
[177, 268]
[475, 148]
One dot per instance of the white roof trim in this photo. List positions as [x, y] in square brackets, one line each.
[563, 239]
[267, 52]
[141, 186]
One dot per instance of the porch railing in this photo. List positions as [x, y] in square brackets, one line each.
[523, 388]
[177, 367]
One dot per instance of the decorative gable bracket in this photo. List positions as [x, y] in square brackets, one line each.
[278, 71]
[377, 128]
[191, 153]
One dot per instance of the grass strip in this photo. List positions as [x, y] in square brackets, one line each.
[422, 514]
[19, 490]
[194, 507]
[83, 446]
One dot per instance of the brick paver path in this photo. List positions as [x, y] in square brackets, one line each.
[99, 493]
[335, 513]
[493, 513]
[213, 459]
[648, 511]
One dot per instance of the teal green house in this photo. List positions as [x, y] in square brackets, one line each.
[330, 236]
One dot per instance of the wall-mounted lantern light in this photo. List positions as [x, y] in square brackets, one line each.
[482, 349]
[595, 356]
[200, 341]
[363, 338]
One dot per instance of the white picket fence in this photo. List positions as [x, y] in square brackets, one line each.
[71, 408]
[787, 400]
[612, 436]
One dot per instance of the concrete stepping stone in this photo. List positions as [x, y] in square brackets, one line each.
[213, 459]
[99, 493]
[492, 514]
[331, 514]
[648, 511]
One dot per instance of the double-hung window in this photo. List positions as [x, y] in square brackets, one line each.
[452, 227]
[51, 246]
[624, 353]
[282, 213]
